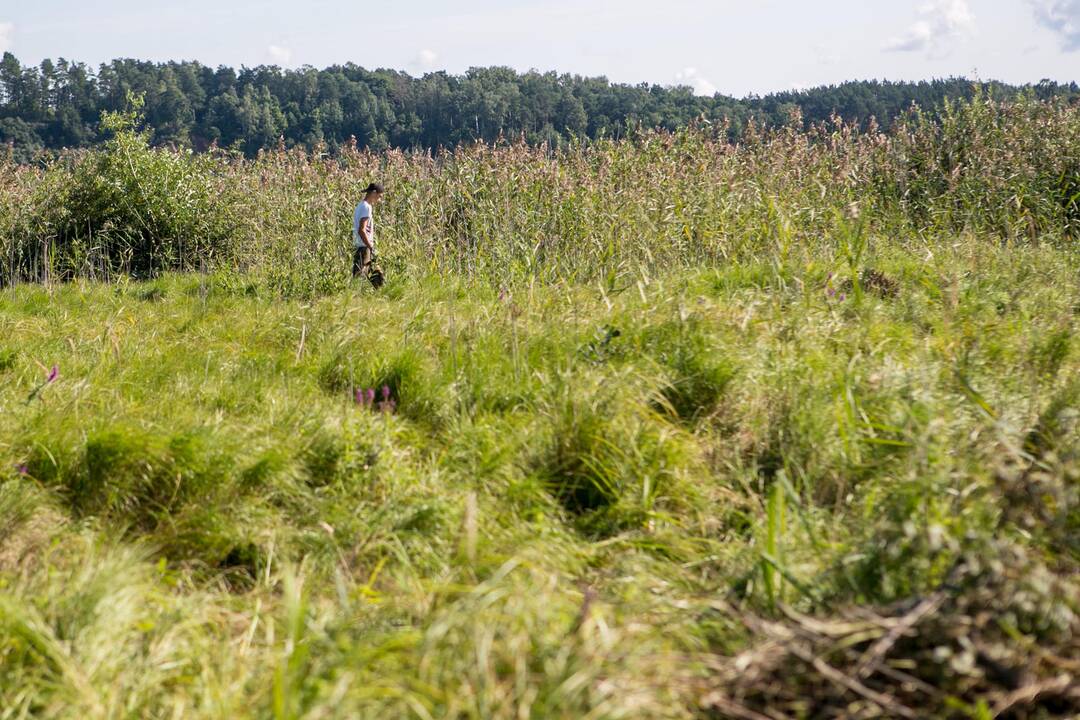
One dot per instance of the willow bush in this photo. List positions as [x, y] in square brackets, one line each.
[126, 209]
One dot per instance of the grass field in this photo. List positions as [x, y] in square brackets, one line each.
[809, 459]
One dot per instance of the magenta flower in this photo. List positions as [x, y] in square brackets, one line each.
[370, 396]
[843, 297]
[54, 373]
[385, 393]
[358, 396]
[22, 469]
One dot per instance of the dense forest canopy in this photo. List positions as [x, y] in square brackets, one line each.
[58, 104]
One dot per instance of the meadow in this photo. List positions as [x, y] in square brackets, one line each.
[664, 427]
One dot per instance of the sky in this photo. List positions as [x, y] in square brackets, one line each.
[736, 48]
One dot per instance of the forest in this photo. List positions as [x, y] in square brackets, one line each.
[58, 104]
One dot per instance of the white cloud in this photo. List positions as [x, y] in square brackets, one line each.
[689, 76]
[424, 61]
[6, 31]
[1061, 16]
[941, 24]
[279, 55]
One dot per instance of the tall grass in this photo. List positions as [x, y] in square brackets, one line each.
[511, 212]
[672, 428]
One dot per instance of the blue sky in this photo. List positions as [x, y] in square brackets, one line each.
[733, 47]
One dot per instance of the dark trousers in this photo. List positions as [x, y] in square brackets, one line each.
[361, 259]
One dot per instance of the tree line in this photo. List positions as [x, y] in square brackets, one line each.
[58, 104]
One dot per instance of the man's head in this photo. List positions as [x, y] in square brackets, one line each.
[373, 193]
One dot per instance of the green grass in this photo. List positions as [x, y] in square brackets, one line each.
[794, 433]
[583, 492]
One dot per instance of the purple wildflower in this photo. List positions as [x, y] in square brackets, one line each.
[830, 292]
[358, 396]
[843, 297]
[369, 395]
[385, 393]
[22, 469]
[53, 374]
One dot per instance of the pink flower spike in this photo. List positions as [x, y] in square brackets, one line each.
[370, 396]
[53, 374]
[385, 392]
[358, 396]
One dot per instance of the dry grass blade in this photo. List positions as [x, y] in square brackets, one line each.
[1063, 685]
[873, 657]
[830, 673]
[716, 701]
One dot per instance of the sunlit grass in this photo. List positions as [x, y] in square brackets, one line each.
[209, 524]
[660, 428]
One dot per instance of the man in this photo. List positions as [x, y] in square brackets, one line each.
[364, 229]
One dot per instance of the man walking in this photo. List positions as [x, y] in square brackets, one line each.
[364, 229]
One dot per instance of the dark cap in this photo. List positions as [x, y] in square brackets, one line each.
[374, 188]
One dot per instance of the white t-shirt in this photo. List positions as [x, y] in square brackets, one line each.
[363, 210]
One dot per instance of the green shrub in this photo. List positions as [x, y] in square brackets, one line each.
[697, 374]
[404, 373]
[609, 461]
[269, 465]
[126, 209]
[137, 475]
[581, 464]
[347, 367]
[322, 457]
[1051, 351]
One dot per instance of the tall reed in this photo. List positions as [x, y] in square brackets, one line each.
[1006, 172]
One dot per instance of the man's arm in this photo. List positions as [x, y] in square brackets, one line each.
[365, 232]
